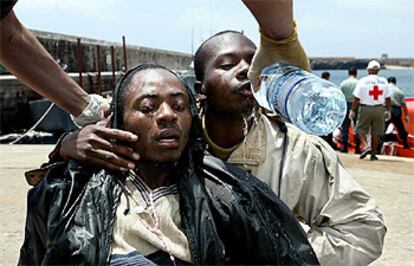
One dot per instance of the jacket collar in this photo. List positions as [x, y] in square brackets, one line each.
[252, 151]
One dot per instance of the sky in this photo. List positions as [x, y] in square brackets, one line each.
[338, 28]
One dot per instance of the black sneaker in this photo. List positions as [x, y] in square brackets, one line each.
[406, 146]
[374, 158]
[365, 153]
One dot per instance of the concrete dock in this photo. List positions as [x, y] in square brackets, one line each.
[390, 181]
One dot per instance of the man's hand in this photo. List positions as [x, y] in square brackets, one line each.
[351, 115]
[98, 145]
[279, 41]
[407, 119]
[288, 51]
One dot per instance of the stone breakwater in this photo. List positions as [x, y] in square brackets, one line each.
[346, 62]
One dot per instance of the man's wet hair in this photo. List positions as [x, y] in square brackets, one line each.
[202, 53]
[352, 71]
[392, 80]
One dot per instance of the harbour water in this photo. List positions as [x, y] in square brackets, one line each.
[405, 77]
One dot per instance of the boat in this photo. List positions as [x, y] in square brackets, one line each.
[395, 146]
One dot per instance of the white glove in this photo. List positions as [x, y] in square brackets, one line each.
[270, 51]
[93, 112]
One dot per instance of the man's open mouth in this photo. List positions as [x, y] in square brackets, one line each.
[168, 138]
[245, 89]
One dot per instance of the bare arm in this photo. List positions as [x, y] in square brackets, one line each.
[388, 103]
[355, 104]
[404, 107]
[275, 17]
[29, 61]
[279, 42]
[406, 115]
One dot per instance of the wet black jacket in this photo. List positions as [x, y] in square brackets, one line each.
[229, 217]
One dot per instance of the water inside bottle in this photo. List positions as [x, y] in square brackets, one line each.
[323, 110]
[314, 105]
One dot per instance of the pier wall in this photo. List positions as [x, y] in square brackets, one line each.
[15, 96]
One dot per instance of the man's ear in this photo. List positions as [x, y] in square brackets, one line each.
[198, 87]
[200, 90]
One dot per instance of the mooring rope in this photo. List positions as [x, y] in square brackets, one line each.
[35, 125]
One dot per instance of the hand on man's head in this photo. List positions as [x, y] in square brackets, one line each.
[98, 145]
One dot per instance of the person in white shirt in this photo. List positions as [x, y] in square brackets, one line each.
[370, 94]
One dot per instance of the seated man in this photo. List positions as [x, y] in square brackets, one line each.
[176, 206]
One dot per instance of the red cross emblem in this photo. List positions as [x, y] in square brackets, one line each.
[375, 92]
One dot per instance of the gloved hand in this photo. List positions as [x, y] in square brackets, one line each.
[407, 119]
[351, 115]
[387, 116]
[93, 112]
[288, 51]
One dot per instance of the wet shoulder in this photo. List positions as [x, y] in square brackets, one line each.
[304, 145]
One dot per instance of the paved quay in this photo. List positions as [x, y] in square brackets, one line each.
[390, 181]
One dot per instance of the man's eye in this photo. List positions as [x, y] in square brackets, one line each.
[179, 107]
[227, 66]
[146, 108]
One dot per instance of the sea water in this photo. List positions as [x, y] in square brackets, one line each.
[405, 77]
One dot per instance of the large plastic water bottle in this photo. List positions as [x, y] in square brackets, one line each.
[315, 105]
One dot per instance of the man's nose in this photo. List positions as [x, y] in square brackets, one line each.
[166, 113]
[243, 68]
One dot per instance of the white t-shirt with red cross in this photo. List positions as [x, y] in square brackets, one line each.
[372, 90]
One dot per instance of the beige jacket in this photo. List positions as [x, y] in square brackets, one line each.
[346, 226]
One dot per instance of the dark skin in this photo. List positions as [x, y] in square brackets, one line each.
[227, 108]
[92, 145]
[227, 89]
[229, 103]
[31, 63]
[157, 109]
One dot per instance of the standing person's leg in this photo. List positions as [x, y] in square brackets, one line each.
[374, 145]
[363, 140]
[357, 139]
[357, 144]
[396, 119]
[377, 129]
[382, 138]
[345, 130]
[362, 128]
